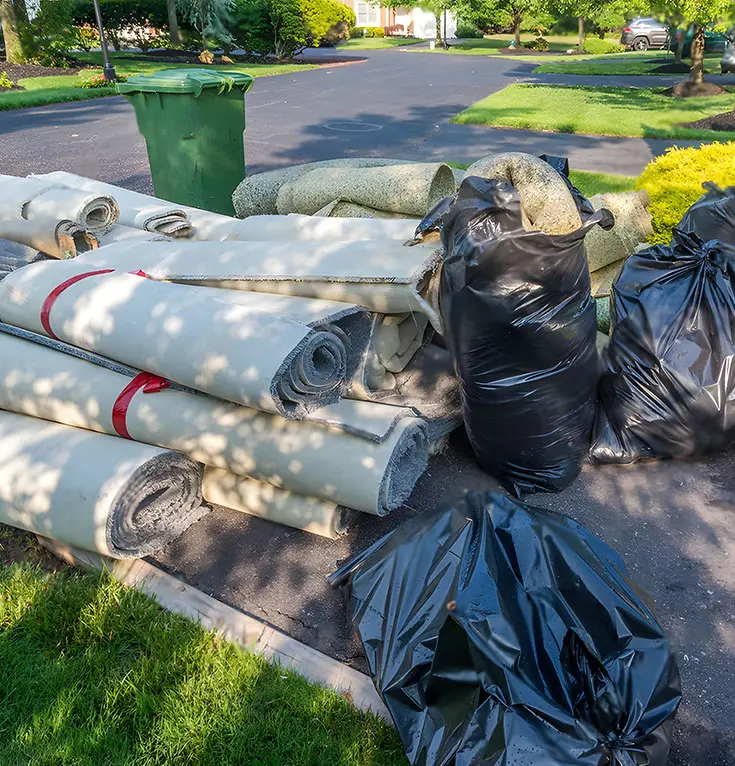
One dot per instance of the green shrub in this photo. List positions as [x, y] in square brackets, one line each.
[5, 81]
[674, 182]
[357, 32]
[539, 44]
[86, 37]
[467, 31]
[120, 16]
[598, 47]
[49, 37]
[374, 32]
[99, 81]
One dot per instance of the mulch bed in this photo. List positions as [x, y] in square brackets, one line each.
[673, 67]
[724, 121]
[173, 56]
[690, 90]
[17, 71]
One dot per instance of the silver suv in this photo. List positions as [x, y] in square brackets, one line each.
[643, 33]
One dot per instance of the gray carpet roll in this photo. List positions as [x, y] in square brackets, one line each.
[407, 189]
[180, 333]
[100, 493]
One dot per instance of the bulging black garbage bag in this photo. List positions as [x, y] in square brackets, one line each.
[712, 216]
[521, 323]
[668, 387]
[505, 635]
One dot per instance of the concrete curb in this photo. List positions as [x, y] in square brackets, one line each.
[240, 628]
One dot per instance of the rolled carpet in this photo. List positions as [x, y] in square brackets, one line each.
[32, 198]
[138, 211]
[341, 208]
[185, 334]
[601, 281]
[97, 492]
[122, 233]
[408, 189]
[374, 474]
[59, 239]
[256, 498]
[258, 193]
[384, 277]
[545, 198]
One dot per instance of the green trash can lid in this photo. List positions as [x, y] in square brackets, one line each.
[186, 81]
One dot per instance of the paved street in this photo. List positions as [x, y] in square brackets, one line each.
[395, 104]
[672, 522]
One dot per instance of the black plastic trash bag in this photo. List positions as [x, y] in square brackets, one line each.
[668, 387]
[712, 216]
[505, 635]
[520, 323]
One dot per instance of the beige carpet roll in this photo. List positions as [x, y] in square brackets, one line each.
[100, 493]
[601, 281]
[33, 198]
[258, 193]
[374, 472]
[59, 239]
[546, 201]
[384, 277]
[280, 506]
[181, 333]
[310, 228]
[632, 226]
[340, 208]
[408, 189]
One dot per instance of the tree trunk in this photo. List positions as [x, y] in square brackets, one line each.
[680, 45]
[696, 74]
[580, 27]
[517, 18]
[444, 36]
[9, 22]
[173, 23]
[438, 18]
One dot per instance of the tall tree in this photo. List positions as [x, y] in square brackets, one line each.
[700, 13]
[210, 18]
[173, 23]
[9, 21]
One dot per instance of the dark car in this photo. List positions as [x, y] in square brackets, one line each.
[643, 33]
[714, 42]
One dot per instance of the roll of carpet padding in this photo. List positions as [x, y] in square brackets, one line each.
[409, 189]
[601, 281]
[122, 233]
[100, 493]
[138, 211]
[256, 498]
[59, 239]
[373, 472]
[341, 208]
[185, 334]
[33, 198]
[385, 277]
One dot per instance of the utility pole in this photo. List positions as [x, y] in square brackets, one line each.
[109, 70]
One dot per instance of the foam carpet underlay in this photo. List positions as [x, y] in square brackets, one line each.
[32, 198]
[180, 333]
[104, 494]
[385, 277]
[370, 463]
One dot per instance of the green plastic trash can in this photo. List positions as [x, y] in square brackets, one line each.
[193, 122]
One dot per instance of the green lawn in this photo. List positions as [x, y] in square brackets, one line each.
[643, 112]
[618, 64]
[491, 46]
[376, 43]
[93, 674]
[51, 90]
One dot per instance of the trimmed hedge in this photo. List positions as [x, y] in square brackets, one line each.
[367, 32]
[539, 44]
[674, 182]
[598, 47]
[467, 31]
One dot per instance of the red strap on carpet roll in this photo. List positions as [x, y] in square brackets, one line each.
[56, 292]
[149, 383]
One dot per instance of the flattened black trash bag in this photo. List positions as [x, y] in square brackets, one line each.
[668, 387]
[505, 635]
[712, 216]
[521, 323]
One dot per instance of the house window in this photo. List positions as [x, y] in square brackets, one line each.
[367, 15]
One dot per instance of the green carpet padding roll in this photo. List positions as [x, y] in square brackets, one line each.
[374, 474]
[57, 238]
[178, 332]
[545, 199]
[408, 189]
[256, 498]
[601, 281]
[32, 198]
[100, 493]
[385, 277]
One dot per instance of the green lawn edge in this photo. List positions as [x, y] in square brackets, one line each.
[95, 673]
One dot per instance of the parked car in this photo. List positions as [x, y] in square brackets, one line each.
[714, 42]
[643, 33]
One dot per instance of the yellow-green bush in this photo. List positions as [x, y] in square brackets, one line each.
[674, 182]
